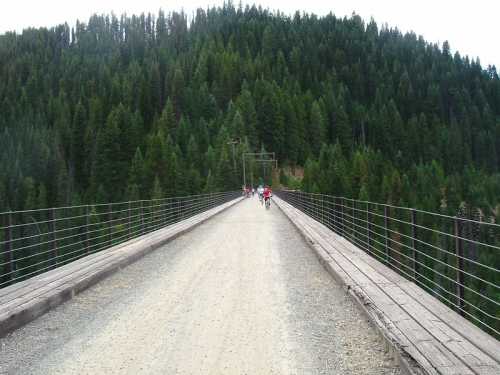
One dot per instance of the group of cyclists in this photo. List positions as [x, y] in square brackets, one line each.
[264, 192]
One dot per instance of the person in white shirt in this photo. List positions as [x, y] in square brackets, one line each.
[260, 191]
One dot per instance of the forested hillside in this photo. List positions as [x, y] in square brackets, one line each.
[144, 106]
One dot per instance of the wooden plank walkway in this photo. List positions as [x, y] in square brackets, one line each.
[429, 336]
[26, 300]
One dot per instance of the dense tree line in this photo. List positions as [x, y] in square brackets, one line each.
[147, 106]
[121, 108]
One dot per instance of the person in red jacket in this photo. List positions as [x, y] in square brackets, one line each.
[267, 194]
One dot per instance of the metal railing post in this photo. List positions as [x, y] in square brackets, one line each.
[329, 212]
[414, 256]
[52, 225]
[87, 224]
[368, 228]
[129, 213]
[386, 235]
[342, 221]
[318, 207]
[180, 209]
[353, 229]
[321, 206]
[333, 214]
[310, 207]
[152, 216]
[142, 228]
[165, 212]
[110, 225]
[314, 207]
[9, 266]
[459, 253]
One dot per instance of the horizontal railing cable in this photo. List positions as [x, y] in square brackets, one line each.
[434, 259]
[429, 256]
[456, 259]
[419, 211]
[362, 245]
[35, 241]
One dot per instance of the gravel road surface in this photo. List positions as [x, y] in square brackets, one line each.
[240, 294]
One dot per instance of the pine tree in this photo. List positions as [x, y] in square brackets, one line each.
[246, 107]
[210, 185]
[342, 128]
[176, 91]
[384, 103]
[168, 123]
[237, 126]
[157, 192]
[155, 163]
[136, 183]
[109, 171]
[78, 145]
[225, 173]
[192, 153]
[317, 128]
[172, 169]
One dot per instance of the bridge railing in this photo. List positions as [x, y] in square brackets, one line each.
[456, 259]
[35, 241]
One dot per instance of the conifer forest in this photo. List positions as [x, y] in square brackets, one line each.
[121, 108]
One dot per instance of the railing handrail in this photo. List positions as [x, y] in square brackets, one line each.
[401, 208]
[107, 204]
[436, 254]
[64, 234]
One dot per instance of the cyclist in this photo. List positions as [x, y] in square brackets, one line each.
[260, 191]
[267, 195]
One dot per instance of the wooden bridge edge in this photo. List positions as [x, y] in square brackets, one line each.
[408, 365]
[35, 307]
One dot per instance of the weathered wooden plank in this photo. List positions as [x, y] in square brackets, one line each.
[441, 358]
[388, 329]
[373, 295]
[399, 290]
[419, 320]
[57, 282]
[443, 334]
[29, 287]
[18, 290]
[28, 299]
[440, 311]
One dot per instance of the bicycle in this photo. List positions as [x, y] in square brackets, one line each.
[268, 203]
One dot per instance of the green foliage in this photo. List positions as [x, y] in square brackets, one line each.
[122, 103]
[157, 192]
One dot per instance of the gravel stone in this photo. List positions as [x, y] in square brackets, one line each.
[241, 294]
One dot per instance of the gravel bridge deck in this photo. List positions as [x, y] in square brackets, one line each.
[243, 293]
